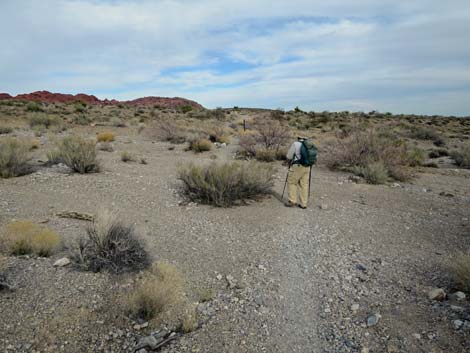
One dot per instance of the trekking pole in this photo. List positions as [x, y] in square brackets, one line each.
[309, 183]
[287, 176]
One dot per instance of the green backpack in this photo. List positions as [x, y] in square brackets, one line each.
[308, 154]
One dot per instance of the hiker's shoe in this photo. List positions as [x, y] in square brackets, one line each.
[289, 204]
[302, 207]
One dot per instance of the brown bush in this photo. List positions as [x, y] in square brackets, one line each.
[105, 137]
[199, 145]
[461, 271]
[363, 148]
[110, 245]
[462, 157]
[166, 131]
[271, 134]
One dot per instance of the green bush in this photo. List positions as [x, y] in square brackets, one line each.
[226, 184]
[14, 157]
[44, 120]
[34, 107]
[126, 156]
[424, 133]
[374, 173]
[265, 155]
[461, 271]
[78, 154]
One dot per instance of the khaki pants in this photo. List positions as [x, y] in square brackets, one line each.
[297, 182]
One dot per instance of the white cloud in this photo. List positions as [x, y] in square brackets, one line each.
[335, 54]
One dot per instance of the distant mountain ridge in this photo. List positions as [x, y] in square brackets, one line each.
[49, 97]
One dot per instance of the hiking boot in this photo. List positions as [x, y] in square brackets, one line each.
[302, 207]
[289, 204]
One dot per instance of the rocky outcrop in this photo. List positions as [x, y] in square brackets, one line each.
[48, 97]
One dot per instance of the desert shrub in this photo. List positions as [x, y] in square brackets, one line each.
[278, 114]
[43, 120]
[78, 154]
[424, 133]
[220, 135]
[80, 107]
[4, 282]
[199, 145]
[438, 153]
[271, 134]
[105, 137]
[462, 157]
[362, 148]
[82, 119]
[247, 143]
[461, 272]
[416, 157]
[5, 130]
[34, 107]
[226, 184]
[373, 173]
[25, 237]
[186, 108]
[54, 157]
[265, 155]
[189, 322]
[13, 157]
[117, 122]
[110, 245]
[167, 131]
[126, 156]
[161, 286]
[105, 146]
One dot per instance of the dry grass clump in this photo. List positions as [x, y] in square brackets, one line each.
[461, 271]
[126, 156]
[199, 145]
[4, 283]
[14, 157]
[365, 152]
[78, 154]
[26, 237]
[160, 287]
[111, 245]
[373, 173]
[226, 184]
[462, 157]
[105, 137]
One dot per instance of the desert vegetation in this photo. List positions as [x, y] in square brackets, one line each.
[110, 245]
[13, 157]
[226, 184]
[77, 153]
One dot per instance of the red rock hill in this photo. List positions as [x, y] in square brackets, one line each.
[48, 97]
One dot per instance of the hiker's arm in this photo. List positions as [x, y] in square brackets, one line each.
[290, 154]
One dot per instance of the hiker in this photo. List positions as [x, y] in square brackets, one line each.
[301, 157]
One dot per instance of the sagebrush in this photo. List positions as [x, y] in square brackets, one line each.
[78, 154]
[226, 184]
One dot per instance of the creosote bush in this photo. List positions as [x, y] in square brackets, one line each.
[111, 245]
[5, 130]
[78, 154]
[159, 287]
[166, 131]
[43, 120]
[105, 137]
[14, 157]
[226, 184]
[26, 237]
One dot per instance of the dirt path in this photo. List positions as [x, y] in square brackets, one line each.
[296, 273]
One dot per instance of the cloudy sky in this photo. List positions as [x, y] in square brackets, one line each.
[402, 56]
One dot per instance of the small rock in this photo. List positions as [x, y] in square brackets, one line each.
[219, 277]
[457, 309]
[147, 342]
[355, 307]
[365, 350]
[457, 324]
[143, 350]
[437, 294]
[361, 267]
[62, 262]
[417, 336]
[459, 296]
[323, 207]
[373, 319]
[230, 281]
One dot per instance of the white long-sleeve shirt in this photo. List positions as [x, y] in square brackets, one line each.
[294, 151]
